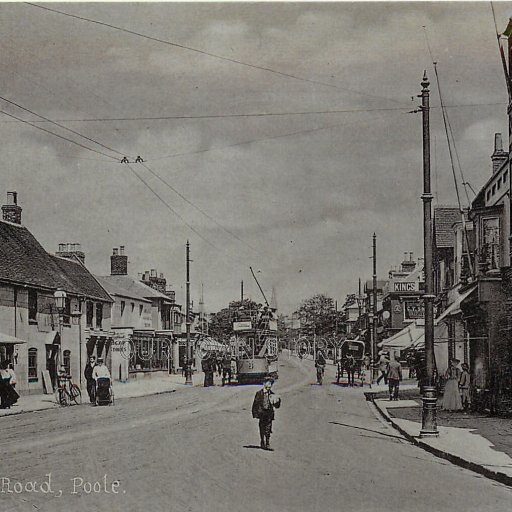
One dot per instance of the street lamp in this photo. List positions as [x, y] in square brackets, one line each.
[60, 301]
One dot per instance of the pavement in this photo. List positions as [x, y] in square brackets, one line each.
[479, 443]
[128, 389]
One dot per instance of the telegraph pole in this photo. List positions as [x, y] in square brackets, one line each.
[374, 293]
[188, 352]
[429, 398]
[242, 290]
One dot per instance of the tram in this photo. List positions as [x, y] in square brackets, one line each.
[254, 345]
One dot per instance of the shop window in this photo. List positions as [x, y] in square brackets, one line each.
[99, 315]
[32, 305]
[32, 365]
[89, 314]
[66, 361]
[123, 305]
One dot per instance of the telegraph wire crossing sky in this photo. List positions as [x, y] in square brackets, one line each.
[273, 135]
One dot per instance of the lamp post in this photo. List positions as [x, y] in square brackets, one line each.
[429, 398]
[60, 301]
[188, 351]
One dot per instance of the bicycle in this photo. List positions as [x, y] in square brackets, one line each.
[68, 391]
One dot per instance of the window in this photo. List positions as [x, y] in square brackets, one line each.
[99, 315]
[66, 361]
[89, 314]
[141, 309]
[32, 365]
[123, 305]
[505, 176]
[133, 306]
[32, 305]
[66, 317]
[494, 189]
[490, 250]
[499, 182]
[488, 195]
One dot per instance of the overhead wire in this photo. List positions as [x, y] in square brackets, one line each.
[445, 122]
[209, 54]
[173, 210]
[57, 135]
[206, 214]
[60, 125]
[257, 114]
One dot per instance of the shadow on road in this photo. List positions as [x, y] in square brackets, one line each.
[366, 429]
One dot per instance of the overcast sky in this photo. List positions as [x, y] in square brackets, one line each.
[298, 197]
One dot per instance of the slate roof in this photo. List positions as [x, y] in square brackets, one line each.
[23, 260]
[444, 219]
[128, 286]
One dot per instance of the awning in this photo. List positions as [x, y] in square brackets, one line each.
[454, 307]
[52, 338]
[10, 340]
[408, 336]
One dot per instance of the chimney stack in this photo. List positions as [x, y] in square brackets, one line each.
[69, 251]
[11, 212]
[118, 262]
[499, 156]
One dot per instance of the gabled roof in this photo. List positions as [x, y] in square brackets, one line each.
[128, 286]
[444, 219]
[23, 260]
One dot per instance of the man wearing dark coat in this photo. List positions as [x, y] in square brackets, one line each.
[91, 383]
[265, 401]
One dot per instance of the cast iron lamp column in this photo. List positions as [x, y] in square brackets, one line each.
[429, 398]
[60, 301]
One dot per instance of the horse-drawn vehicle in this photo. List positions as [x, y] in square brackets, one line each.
[351, 361]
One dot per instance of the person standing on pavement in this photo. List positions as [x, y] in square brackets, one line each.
[91, 383]
[394, 377]
[464, 387]
[383, 367]
[265, 401]
[451, 398]
[10, 369]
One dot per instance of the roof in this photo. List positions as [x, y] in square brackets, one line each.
[24, 260]
[444, 219]
[127, 286]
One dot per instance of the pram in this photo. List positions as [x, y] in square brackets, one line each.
[104, 392]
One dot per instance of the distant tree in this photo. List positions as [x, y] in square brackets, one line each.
[318, 315]
[221, 323]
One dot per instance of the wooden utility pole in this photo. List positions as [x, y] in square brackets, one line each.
[429, 413]
[242, 291]
[188, 351]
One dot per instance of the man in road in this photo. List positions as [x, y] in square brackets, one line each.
[350, 365]
[394, 377]
[263, 406]
[91, 383]
[383, 367]
[226, 368]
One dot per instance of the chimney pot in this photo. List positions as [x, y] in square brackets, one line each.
[121, 250]
[115, 251]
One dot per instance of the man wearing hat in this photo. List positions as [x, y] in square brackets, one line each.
[100, 371]
[265, 401]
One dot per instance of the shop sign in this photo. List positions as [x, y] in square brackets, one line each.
[405, 286]
[414, 310]
[242, 326]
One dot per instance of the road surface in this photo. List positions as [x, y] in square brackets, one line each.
[198, 450]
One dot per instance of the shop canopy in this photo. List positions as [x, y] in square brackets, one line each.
[10, 340]
[454, 307]
[410, 335]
